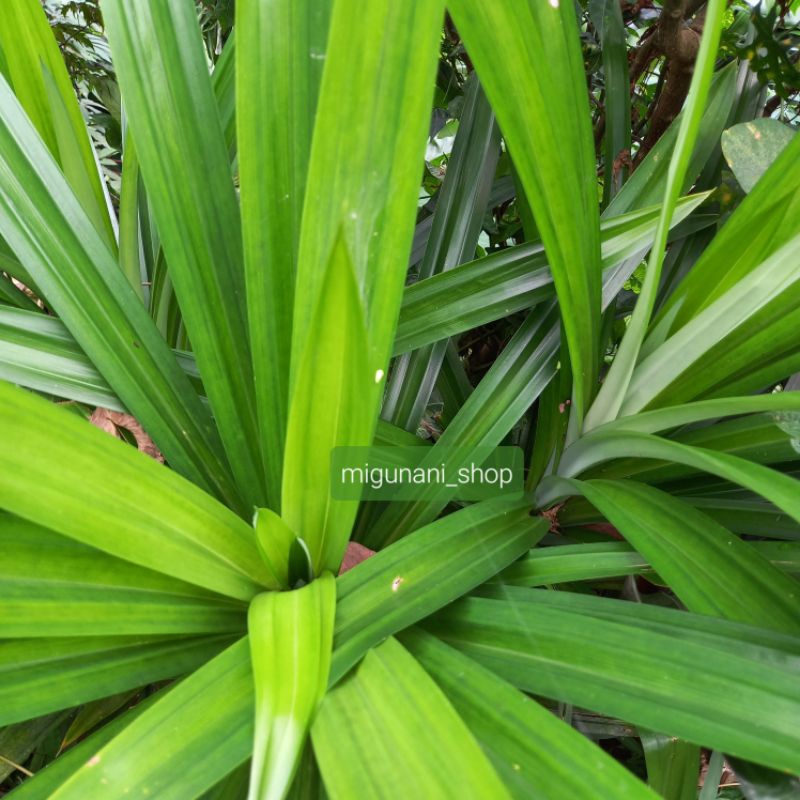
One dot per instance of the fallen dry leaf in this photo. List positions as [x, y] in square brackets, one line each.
[111, 421]
[354, 555]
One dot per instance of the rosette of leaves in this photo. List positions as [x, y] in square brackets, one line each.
[180, 630]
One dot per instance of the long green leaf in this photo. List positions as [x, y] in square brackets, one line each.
[662, 419]
[211, 710]
[606, 16]
[17, 742]
[712, 682]
[597, 561]
[755, 321]
[108, 495]
[133, 258]
[546, 126]
[611, 396]
[180, 143]
[457, 222]
[348, 212]
[573, 562]
[710, 569]
[535, 753]
[765, 220]
[44, 224]
[645, 187]
[40, 354]
[672, 765]
[332, 399]
[280, 52]
[774, 486]
[513, 279]
[44, 782]
[369, 133]
[389, 728]
[54, 586]
[433, 566]
[38, 676]
[39, 77]
[291, 636]
[757, 439]
[515, 380]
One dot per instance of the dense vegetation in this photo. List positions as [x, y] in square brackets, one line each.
[235, 239]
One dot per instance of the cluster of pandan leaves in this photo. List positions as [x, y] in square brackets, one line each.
[181, 629]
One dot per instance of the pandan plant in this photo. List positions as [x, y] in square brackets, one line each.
[244, 309]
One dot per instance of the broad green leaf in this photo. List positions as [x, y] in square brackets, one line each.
[611, 396]
[388, 728]
[705, 680]
[431, 567]
[371, 122]
[535, 753]
[280, 51]
[108, 495]
[330, 404]
[710, 569]
[750, 148]
[291, 636]
[204, 724]
[513, 279]
[352, 232]
[546, 125]
[54, 586]
[43, 223]
[40, 80]
[173, 117]
[457, 223]
[38, 676]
